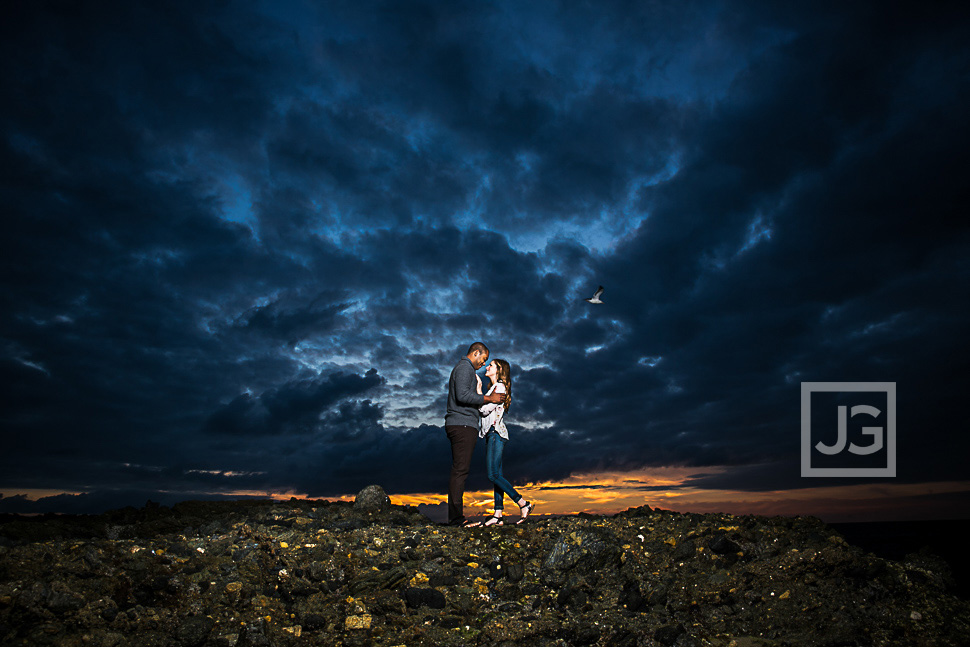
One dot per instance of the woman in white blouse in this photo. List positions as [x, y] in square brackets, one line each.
[496, 435]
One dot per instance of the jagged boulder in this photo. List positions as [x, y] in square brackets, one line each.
[372, 499]
[586, 549]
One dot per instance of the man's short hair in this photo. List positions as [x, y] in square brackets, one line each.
[479, 346]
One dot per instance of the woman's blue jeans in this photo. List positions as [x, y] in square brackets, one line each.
[494, 444]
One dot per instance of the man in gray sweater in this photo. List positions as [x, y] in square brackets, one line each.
[462, 422]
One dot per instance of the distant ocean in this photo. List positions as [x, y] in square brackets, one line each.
[895, 539]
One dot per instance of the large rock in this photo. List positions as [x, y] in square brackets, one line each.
[194, 631]
[586, 549]
[372, 499]
[416, 597]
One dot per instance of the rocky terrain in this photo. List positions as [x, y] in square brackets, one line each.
[258, 573]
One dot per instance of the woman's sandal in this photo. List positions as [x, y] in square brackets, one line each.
[525, 511]
[494, 521]
[468, 523]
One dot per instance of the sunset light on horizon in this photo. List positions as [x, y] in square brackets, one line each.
[669, 489]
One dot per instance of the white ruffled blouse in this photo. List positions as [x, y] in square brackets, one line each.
[493, 414]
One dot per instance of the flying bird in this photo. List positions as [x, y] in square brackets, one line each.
[596, 296]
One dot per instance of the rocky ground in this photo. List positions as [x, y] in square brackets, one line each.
[322, 573]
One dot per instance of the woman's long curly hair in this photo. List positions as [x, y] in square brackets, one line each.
[504, 375]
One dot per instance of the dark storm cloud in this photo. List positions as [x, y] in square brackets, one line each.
[293, 322]
[243, 246]
[819, 159]
[300, 407]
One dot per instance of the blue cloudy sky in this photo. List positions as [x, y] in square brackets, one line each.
[244, 243]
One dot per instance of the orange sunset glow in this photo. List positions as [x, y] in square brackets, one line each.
[668, 488]
[612, 492]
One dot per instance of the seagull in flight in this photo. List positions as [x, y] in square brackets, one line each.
[596, 296]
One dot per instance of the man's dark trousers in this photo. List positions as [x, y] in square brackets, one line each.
[462, 446]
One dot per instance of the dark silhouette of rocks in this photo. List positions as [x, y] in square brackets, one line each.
[268, 573]
[372, 499]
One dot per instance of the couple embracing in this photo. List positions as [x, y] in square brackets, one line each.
[471, 415]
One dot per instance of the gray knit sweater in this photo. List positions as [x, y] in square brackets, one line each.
[463, 398]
